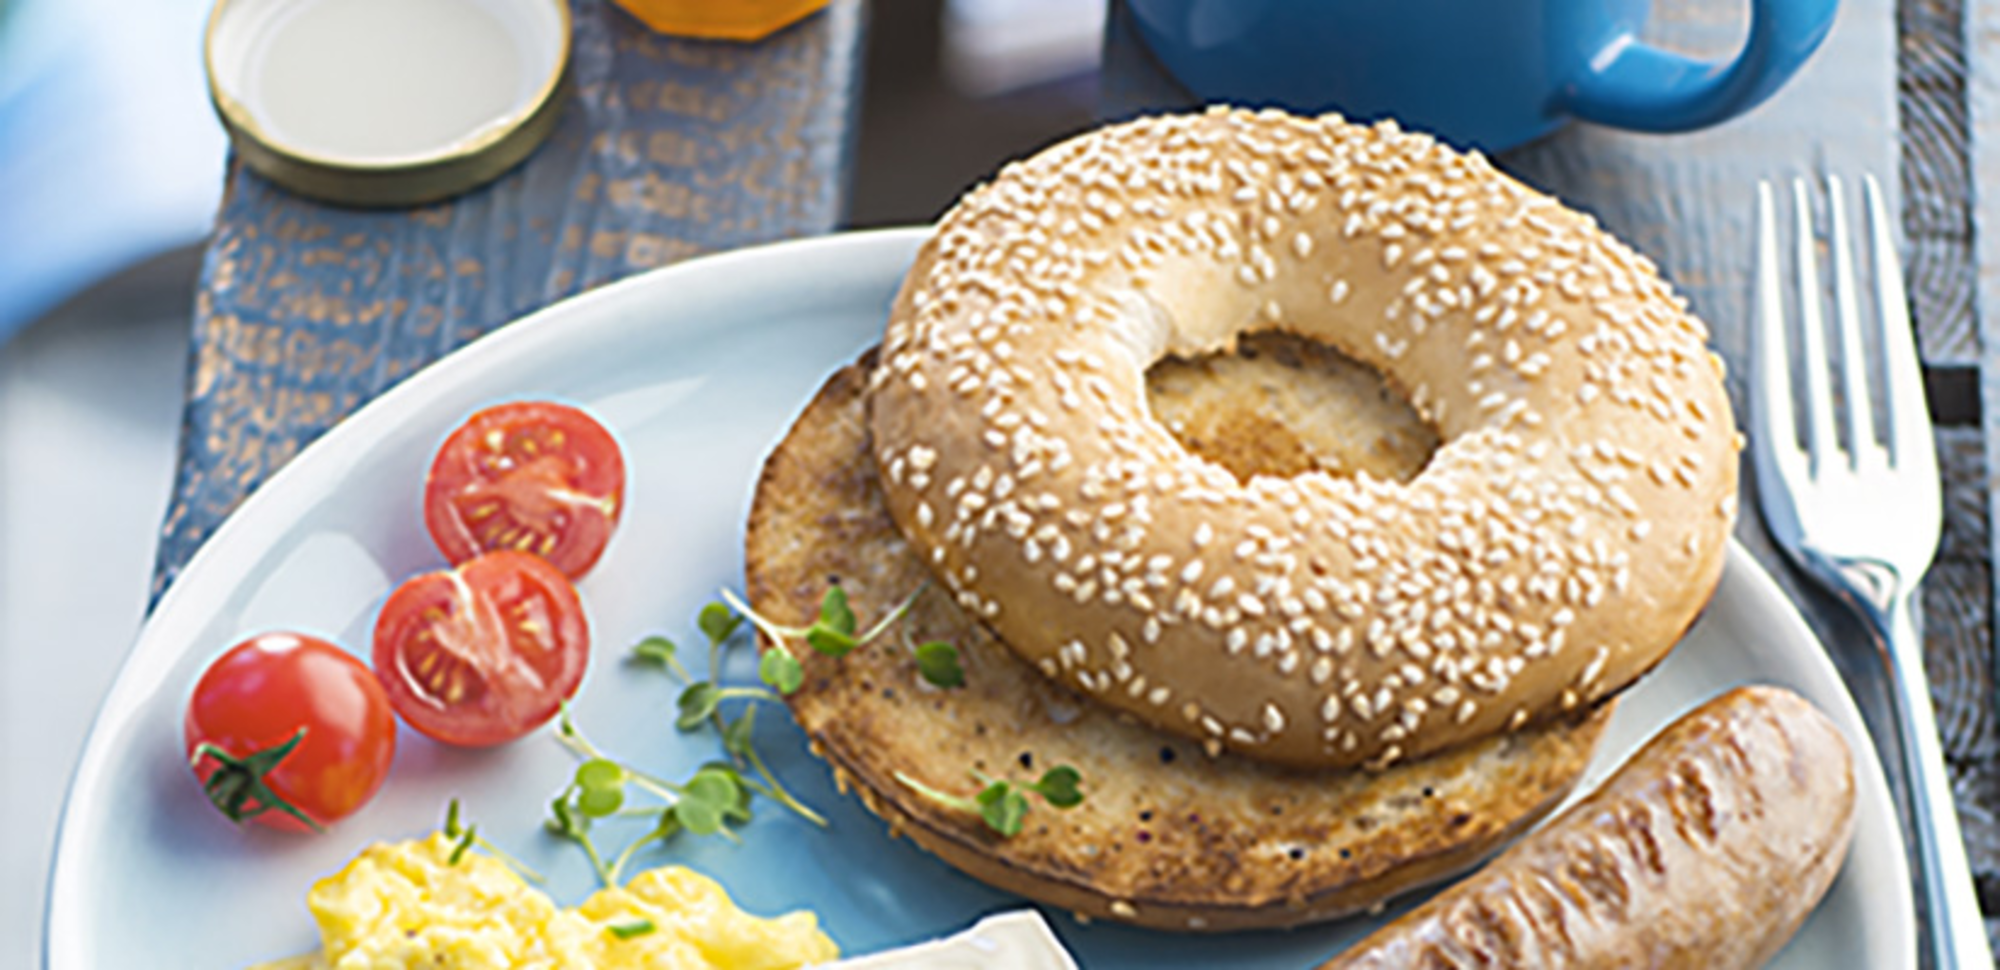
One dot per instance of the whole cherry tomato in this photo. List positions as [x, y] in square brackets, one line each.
[484, 652]
[532, 476]
[290, 731]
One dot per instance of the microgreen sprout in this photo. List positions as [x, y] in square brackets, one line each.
[1001, 804]
[463, 844]
[781, 670]
[465, 837]
[836, 633]
[637, 927]
[700, 703]
[660, 650]
[707, 803]
[717, 796]
[701, 700]
[937, 662]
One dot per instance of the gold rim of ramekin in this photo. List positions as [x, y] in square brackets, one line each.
[428, 178]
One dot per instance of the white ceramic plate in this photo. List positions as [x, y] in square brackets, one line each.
[698, 369]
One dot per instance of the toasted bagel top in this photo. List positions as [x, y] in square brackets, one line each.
[1568, 528]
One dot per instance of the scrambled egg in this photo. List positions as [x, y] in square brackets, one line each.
[405, 905]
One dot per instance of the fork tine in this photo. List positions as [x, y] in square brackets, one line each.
[1909, 421]
[1820, 441]
[1867, 530]
[1775, 447]
[1858, 416]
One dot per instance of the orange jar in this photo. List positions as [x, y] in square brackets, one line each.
[723, 19]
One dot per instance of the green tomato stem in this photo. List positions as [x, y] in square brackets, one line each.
[236, 782]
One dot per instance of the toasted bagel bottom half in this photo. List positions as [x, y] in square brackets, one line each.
[1166, 836]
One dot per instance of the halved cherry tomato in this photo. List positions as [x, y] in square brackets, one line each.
[289, 731]
[533, 476]
[484, 652]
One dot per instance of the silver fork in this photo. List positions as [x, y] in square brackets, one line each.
[1863, 520]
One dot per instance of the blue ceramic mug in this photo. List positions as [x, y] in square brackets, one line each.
[1488, 74]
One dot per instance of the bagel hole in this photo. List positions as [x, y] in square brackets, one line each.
[1280, 404]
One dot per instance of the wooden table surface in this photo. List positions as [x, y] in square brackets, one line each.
[673, 148]
[668, 148]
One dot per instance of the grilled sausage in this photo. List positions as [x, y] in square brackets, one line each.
[1707, 849]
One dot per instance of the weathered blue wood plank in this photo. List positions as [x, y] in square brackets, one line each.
[669, 148]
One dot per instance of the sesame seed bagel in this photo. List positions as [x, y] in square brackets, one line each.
[1566, 531]
[1166, 836]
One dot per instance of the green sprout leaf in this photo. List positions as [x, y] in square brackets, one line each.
[562, 821]
[829, 641]
[718, 623]
[626, 931]
[599, 787]
[937, 662]
[719, 785]
[700, 818]
[779, 669]
[1058, 787]
[601, 774]
[736, 735]
[1002, 808]
[600, 802]
[710, 797]
[738, 810]
[660, 651]
[835, 614]
[1000, 804]
[657, 649]
[696, 704]
[464, 844]
[465, 837]
[670, 825]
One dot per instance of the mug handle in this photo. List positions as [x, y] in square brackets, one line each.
[1641, 87]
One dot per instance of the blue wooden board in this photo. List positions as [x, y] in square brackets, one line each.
[668, 148]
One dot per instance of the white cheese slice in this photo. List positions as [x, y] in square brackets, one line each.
[1018, 940]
